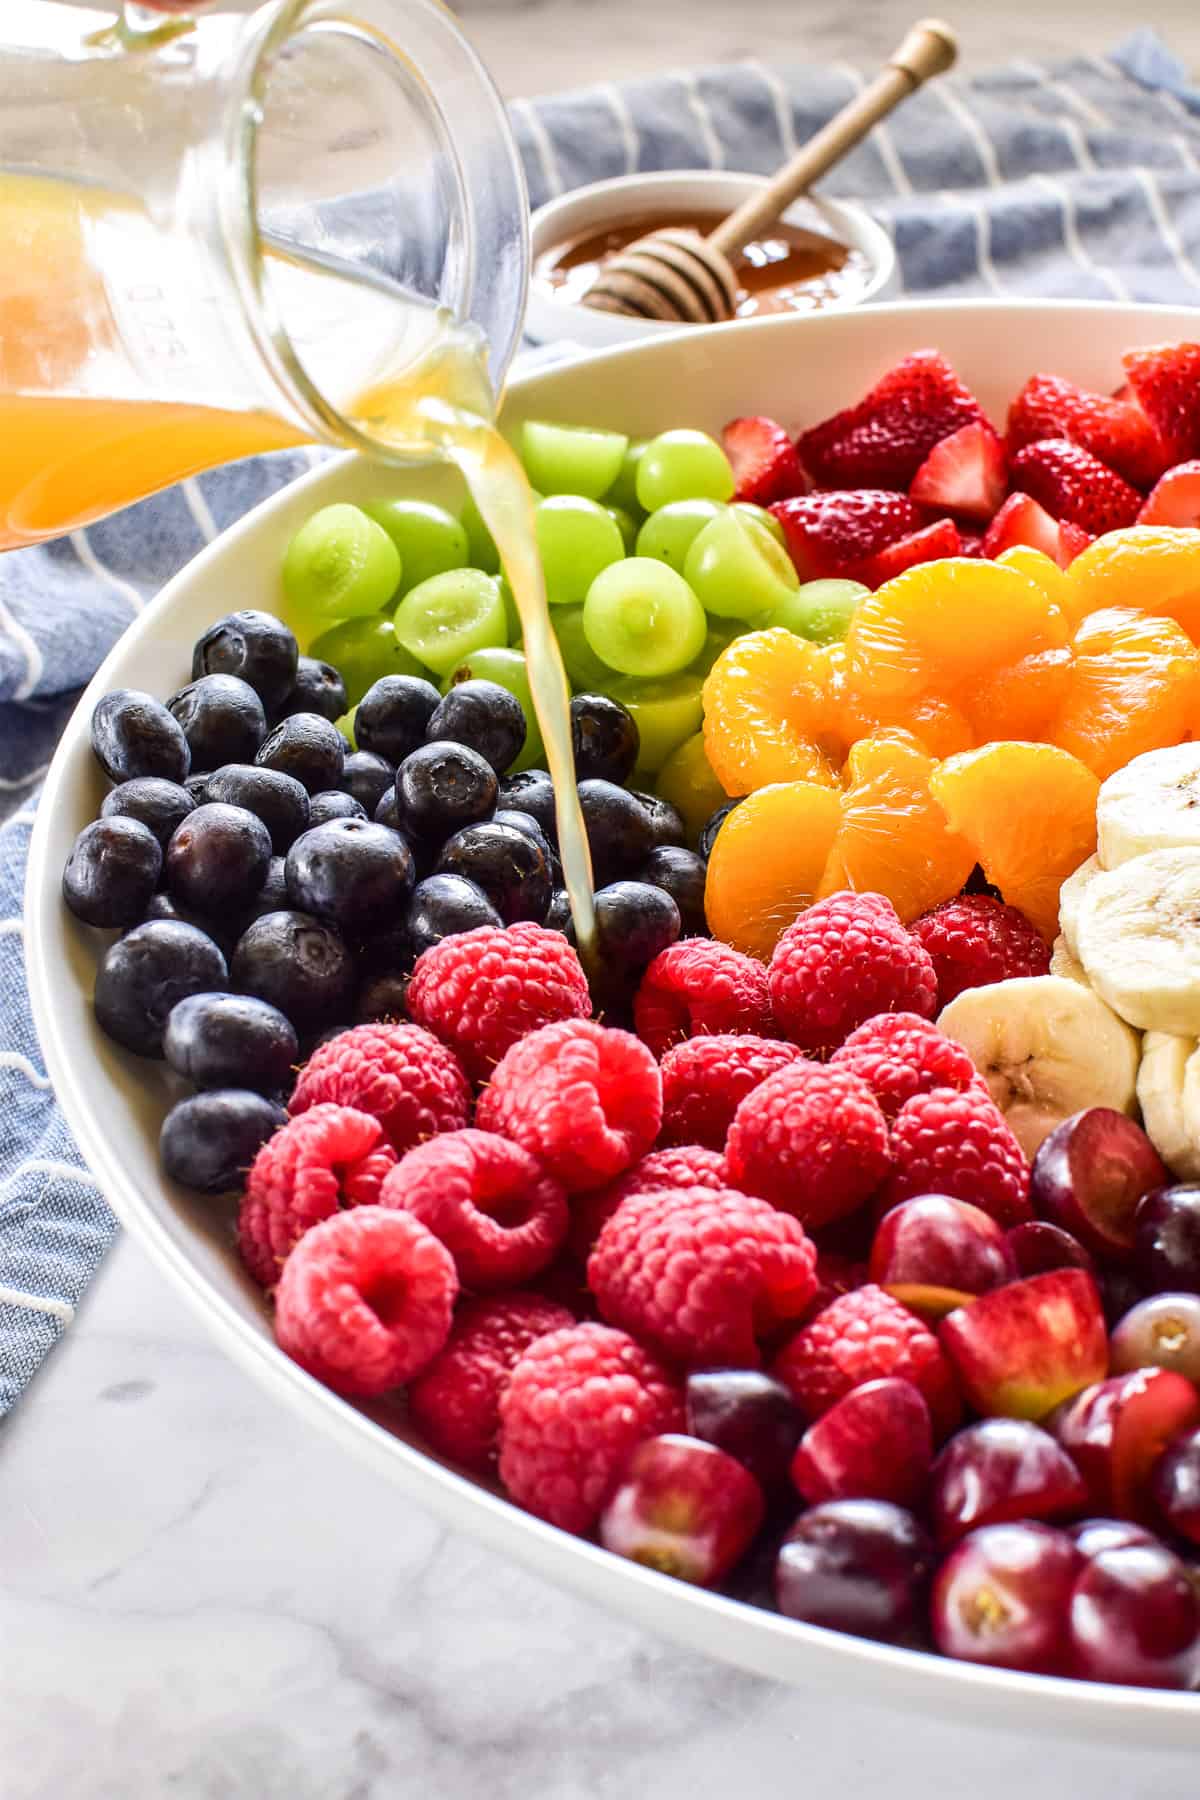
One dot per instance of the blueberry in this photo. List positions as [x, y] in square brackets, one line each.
[335, 805]
[558, 914]
[711, 826]
[217, 858]
[147, 972]
[222, 719]
[224, 934]
[444, 904]
[307, 747]
[112, 872]
[510, 868]
[634, 922]
[442, 787]
[388, 810]
[387, 950]
[299, 965]
[605, 738]
[681, 874]
[392, 715]
[618, 830]
[231, 1040]
[485, 717]
[666, 821]
[318, 688]
[367, 777]
[256, 646]
[209, 1141]
[278, 800]
[382, 997]
[523, 821]
[156, 803]
[532, 792]
[197, 787]
[134, 734]
[352, 872]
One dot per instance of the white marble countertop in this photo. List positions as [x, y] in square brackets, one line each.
[197, 1598]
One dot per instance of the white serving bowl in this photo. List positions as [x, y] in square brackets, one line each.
[800, 369]
[628, 197]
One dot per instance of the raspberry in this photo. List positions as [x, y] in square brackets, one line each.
[455, 1400]
[330, 1157]
[400, 1074]
[577, 1405]
[902, 1054]
[499, 1214]
[705, 1080]
[843, 961]
[584, 1099]
[811, 1140]
[864, 1336]
[699, 1274]
[959, 1144]
[699, 987]
[365, 1300]
[975, 940]
[680, 1166]
[480, 991]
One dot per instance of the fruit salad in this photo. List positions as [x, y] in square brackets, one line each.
[833, 1238]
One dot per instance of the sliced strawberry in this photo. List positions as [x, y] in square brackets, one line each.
[1115, 430]
[832, 534]
[1022, 521]
[966, 472]
[883, 441]
[1176, 498]
[764, 460]
[1166, 379]
[939, 539]
[1073, 484]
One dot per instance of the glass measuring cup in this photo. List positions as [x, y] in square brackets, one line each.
[218, 233]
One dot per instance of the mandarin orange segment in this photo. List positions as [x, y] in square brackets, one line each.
[941, 728]
[939, 626]
[1134, 686]
[1021, 699]
[893, 838]
[1028, 812]
[1155, 568]
[765, 706]
[767, 861]
[1040, 568]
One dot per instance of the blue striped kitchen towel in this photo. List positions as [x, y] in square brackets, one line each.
[1081, 179]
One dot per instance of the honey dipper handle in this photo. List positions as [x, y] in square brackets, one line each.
[928, 49]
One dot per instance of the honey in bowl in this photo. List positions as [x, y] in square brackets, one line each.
[788, 269]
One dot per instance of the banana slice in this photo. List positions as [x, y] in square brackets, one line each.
[1137, 934]
[1153, 803]
[1064, 964]
[1168, 1091]
[1070, 899]
[1046, 1047]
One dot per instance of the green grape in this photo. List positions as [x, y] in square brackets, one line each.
[512, 617]
[362, 650]
[483, 552]
[737, 570]
[683, 465]
[575, 540]
[643, 618]
[820, 610]
[687, 781]
[668, 534]
[571, 459]
[507, 669]
[625, 523]
[718, 637]
[450, 615]
[666, 712]
[429, 539]
[346, 726]
[587, 672]
[339, 565]
[623, 491]
[761, 516]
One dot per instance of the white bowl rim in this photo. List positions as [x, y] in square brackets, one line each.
[934, 1683]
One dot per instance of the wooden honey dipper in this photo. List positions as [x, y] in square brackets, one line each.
[675, 275]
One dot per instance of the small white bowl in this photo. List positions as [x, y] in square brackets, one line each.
[628, 197]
